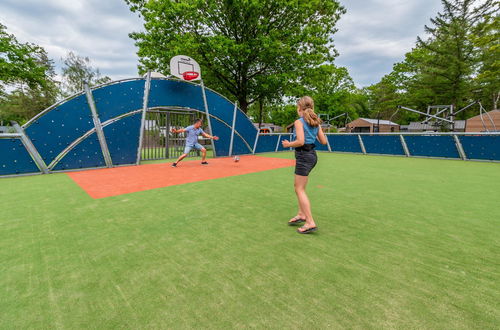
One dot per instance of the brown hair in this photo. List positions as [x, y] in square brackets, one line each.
[306, 105]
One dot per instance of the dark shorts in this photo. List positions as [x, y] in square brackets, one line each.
[306, 159]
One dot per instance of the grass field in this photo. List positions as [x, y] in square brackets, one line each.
[403, 243]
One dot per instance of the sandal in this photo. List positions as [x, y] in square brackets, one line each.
[306, 230]
[296, 220]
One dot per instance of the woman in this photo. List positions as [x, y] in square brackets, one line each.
[307, 129]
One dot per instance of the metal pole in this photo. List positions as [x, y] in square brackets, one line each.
[405, 146]
[205, 103]
[425, 114]
[98, 127]
[328, 144]
[232, 128]
[278, 143]
[30, 148]
[147, 87]
[362, 145]
[255, 143]
[460, 148]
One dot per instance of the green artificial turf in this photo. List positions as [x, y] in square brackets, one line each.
[403, 243]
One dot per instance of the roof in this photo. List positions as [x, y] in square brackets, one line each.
[381, 122]
[492, 113]
[416, 125]
[460, 124]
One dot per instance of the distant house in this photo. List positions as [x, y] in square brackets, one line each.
[417, 126]
[268, 128]
[367, 125]
[4, 129]
[476, 124]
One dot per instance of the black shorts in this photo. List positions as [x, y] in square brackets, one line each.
[306, 159]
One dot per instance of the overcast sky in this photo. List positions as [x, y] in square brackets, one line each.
[373, 35]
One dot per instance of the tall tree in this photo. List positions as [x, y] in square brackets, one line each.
[247, 49]
[20, 63]
[453, 59]
[78, 70]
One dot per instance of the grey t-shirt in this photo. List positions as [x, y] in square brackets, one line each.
[192, 135]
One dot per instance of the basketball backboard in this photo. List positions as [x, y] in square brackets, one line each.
[180, 65]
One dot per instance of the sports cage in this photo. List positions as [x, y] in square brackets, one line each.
[110, 125]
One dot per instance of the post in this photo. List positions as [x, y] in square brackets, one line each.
[278, 143]
[205, 103]
[147, 87]
[30, 148]
[232, 128]
[98, 127]
[361, 144]
[256, 140]
[460, 148]
[328, 143]
[405, 146]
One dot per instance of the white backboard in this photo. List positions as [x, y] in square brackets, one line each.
[180, 64]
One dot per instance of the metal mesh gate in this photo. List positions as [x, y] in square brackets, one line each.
[158, 140]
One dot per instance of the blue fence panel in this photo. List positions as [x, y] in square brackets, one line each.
[344, 143]
[320, 147]
[484, 147]
[55, 130]
[224, 134]
[245, 128]
[267, 143]
[285, 137]
[432, 146]
[122, 138]
[383, 144]
[86, 154]
[175, 94]
[15, 158]
[239, 146]
[114, 100]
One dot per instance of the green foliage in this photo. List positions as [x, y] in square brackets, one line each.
[28, 99]
[458, 59]
[77, 71]
[249, 49]
[20, 63]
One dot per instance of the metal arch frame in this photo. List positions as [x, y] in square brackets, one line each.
[98, 127]
[233, 128]
[405, 146]
[362, 144]
[207, 112]
[30, 148]
[147, 88]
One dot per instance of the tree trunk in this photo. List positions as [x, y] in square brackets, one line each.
[261, 109]
[243, 103]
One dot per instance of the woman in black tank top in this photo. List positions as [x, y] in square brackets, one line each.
[306, 159]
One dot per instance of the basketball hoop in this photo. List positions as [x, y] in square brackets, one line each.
[190, 75]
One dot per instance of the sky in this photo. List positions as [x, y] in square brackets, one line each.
[372, 36]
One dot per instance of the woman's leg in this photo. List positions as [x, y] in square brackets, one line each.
[304, 204]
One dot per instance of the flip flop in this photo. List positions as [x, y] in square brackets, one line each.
[307, 231]
[295, 221]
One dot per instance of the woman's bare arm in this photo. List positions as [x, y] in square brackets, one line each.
[299, 132]
[321, 136]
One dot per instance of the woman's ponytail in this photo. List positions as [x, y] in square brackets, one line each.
[306, 104]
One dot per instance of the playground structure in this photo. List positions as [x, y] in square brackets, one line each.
[104, 127]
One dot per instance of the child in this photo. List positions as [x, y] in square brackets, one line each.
[192, 141]
[307, 129]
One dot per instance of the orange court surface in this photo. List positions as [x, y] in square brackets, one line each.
[100, 183]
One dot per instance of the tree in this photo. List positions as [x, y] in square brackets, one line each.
[453, 59]
[247, 49]
[20, 63]
[27, 100]
[77, 71]
[486, 38]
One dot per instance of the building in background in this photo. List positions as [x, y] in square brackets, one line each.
[490, 121]
[366, 125]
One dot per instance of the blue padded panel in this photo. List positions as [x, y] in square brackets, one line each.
[175, 93]
[86, 154]
[485, 147]
[245, 128]
[15, 158]
[55, 130]
[239, 147]
[344, 143]
[219, 107]
[267, 143]
[285, 137]
[432, 146]
[383, 144]
[224, 134]
[320, 147]
[114, 100]
[122, 138]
